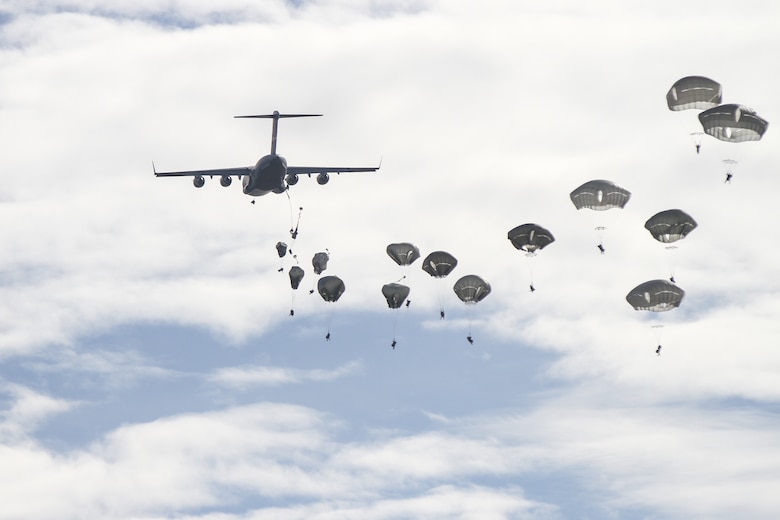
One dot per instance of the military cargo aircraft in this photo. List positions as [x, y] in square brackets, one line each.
[270, 174]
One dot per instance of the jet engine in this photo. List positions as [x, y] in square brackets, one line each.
[292, 179]
[323, 178]
[225, 180]
[198, 181]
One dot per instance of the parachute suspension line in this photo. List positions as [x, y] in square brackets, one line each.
[658, 330]
[672, 262]
[294, 230]
[696, 137]
[729, 166]
[531, 261]
[294, 235]
[329, 319]
[470, 312]
[600, 231]
[292, 303]
[441, 298]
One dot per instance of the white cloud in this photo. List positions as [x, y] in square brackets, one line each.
[27, 410]
[643, 457]
[249, 376]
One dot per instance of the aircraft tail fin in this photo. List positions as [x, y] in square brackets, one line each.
[275, 116]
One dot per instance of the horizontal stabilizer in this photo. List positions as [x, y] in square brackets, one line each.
[277, 115]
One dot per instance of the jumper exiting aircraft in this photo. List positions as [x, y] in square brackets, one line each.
[270, 173]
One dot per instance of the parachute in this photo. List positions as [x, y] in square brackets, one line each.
[670, 225]
[471, 289]
[403, 253]
[320, 262]
[733, 123]
[729, 164]
[330, 288]
[439, 264]
[600, 195]
[530, 238]
[696, 137]
[656, 296]
[281, 249]
[296, 275]
[694, 92]
[395, 294]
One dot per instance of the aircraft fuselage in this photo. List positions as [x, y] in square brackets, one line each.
[267, 176]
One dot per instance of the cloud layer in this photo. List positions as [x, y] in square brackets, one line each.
[150, 368]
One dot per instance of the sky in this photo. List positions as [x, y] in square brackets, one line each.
[149, 365]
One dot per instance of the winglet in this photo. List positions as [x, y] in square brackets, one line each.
[154, 169]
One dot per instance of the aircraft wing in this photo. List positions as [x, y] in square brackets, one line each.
[308, 170]
[230, 172]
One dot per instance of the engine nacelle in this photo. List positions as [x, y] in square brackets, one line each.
[226, 180]
[198, 181]
[292, 179]
[323, 178]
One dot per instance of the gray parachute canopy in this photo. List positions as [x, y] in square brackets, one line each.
[670, 225]
[320, 262]
[296, 275]
[281, 249]
[395, 294]
[471, 288]
[733, 123]
[530, 237]
[694, 92]
[403, 253]
[330, 288]
[600, 195]
[656, 296]
[439, 264]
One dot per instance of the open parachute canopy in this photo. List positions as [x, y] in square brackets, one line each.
[670, 225]
[395, 294]
[320, 262]
[530, 237]
[330, 288]
[439, 264]
[733, 123]
[471, 288]
[296, 275]
[600, 195]
[656, 296]
[281, 249]
[694, 92]
[403, 253]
